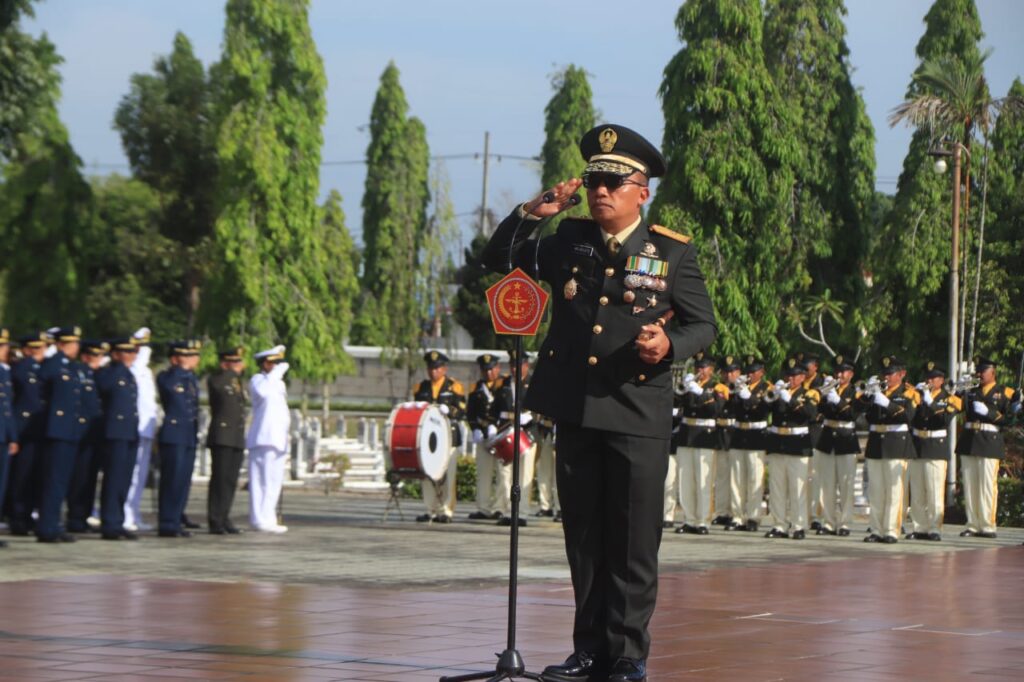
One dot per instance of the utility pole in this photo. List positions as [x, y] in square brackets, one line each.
[483, 200]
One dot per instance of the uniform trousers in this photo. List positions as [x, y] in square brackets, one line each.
[133, 506]
[816, 487]
[671, 491]
[490, 496]
[787, 491]
[981, 491]
[722, 484]
[266, 477]
[527, 470]
[176, 464]
[82, 490]
[57, 464]
[547, 489]
[927, 494]
[439, 496]
[885, 495]
[225, 463]
[118, 462]
[837, 474]
[747, 477]
[24, 485]
[5, 463]
[695, 468]
[610, 485]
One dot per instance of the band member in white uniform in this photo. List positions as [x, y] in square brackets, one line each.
[148, 418]
[492, 500]
[267, 439]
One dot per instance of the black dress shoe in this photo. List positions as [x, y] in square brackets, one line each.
[721, 520]
[815, 525]
[3, 543]
[776, 533]
[128, 535]
[752, 526]
[890, 540]
[233, 530]
[479, 516]
[442, 518]
[688, 529]
[217, 531]
[174, 533]
[423, 518]
[544, 512]
[799, 534]
[558, 516]
[506, 521]
[968, 533]
[49, 539]
[843, 532]
[702, 530]
[873, 538]
[581, 666]
[912, 536]
[186, 522]
[934, 537]
[59, 537]
[987, 534]
[110, 536]
[668, 524]
[628, 670]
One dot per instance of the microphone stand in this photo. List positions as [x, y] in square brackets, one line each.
[510, 663]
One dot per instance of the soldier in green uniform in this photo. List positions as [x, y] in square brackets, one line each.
[225, 438]
[604, 375]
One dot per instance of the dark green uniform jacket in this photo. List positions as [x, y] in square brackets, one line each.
[227, 409]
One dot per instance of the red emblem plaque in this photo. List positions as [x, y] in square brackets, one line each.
[517, 304]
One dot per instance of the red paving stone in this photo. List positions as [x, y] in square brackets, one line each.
[935, 617]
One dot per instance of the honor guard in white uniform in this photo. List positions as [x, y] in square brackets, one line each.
[889, 411]
[700, 403]
[837, 450]
[482, 411]
[931, 426]
[987, 409]
[267, 439]
[148, 418]
[725, 501]
[748, 447]
[449, 396]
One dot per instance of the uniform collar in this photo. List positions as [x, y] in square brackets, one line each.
[623, 235]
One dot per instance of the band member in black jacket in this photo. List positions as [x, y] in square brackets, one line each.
[837, 450]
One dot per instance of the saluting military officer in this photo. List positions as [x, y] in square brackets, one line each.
[604, 374]
[120, 436]
[987, 409]
[789, 452]
[699, 405]
[148, 419]
[889, 412]
[482, 412]
[837, 450]
[226, 439]
[65, 425]
[932, 423]
[749, 446]
[30, 412]
[450, 397]
[82, 491]
[268, 439]
[8, 425]
[179, 395]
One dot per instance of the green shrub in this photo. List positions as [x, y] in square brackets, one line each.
[1010, 508]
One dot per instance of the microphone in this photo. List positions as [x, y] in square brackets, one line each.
[574, 200]
[547, 198]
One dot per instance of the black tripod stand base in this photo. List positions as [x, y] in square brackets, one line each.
[510, 667]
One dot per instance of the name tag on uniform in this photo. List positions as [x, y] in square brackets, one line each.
[583, 250]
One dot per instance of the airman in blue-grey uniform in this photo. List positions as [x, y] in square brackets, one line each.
[179, 395]
[65, 425]
[119, 436]
[82, 491]
[30, 414]
[8, 426]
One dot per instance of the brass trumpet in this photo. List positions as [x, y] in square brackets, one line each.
[870, 387]
[830, 384]
[771, 394]
[966, 382]
[742, 383]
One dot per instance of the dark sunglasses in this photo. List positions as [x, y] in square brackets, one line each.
[611, 181]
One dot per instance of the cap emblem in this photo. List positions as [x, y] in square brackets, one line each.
[607, 140]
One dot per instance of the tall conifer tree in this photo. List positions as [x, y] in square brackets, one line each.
[567, 116]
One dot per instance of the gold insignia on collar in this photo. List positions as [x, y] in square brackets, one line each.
[607, 139]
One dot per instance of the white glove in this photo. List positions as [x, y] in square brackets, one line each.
[926, 396]
[142, 359]
[921, 387]
[492, 430]
[444, 409]
[279, 370]
[881, 400]
[694, 388]
[779, 385]
[478, 436]
[525, 418]
[785, 396]
[832, 397]
[141, 333]
[980, 408]
[745, 394]
[675, 411]
[689, 378]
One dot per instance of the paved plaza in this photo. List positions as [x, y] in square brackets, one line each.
[346, 596]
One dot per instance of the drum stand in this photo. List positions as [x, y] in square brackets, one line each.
[510, 664]
[395, 482]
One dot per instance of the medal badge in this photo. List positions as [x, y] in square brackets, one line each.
[572, 286]
[645, 272]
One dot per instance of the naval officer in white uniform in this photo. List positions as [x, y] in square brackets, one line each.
[267, 439]
[148, 417]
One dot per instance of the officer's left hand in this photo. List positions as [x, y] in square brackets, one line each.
[652, 343]
[980, 408]
[12, 449]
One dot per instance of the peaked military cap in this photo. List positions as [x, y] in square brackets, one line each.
[64, 334]
[512, 355]
[890, 364]
[702, 359]
[185, 347]
[752, 363]
[487, 360]
[932, 370]
[95, 347]
[125, 344]
[982, 362]
[435, 359]
[811, 357]
[618, 150]
[37, 340]
[275, 354]
[232, 354]
[142, 336]
[793, 367]
[729, 363]
[841, 363]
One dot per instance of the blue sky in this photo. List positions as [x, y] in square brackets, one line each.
[470, 66]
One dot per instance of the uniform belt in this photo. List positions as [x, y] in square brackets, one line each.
[546, 423]
[694, 421]
[980, 426]
[790, 430]
[888, 428]
[921, 433]
[725, 422]
[836, 424]
[751, 426]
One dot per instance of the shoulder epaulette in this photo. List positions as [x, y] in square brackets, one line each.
[457, 387]
[911, 394]
[1008, 392]
[812, 394]
[671, 234]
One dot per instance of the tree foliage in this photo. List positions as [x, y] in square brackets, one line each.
[272, 283]
[568, 115]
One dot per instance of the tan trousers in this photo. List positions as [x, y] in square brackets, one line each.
[723, 486]
[837, 474]
[787, 491]
[980, 492]
[885, 495]
[547, 488]
[815, 491]
[439, 497]
[671, 490]
[695, 471]
[491, 496]
[927, 494]
[529, 456]
[747, 478]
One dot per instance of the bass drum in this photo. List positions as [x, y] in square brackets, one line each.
[419, 440]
